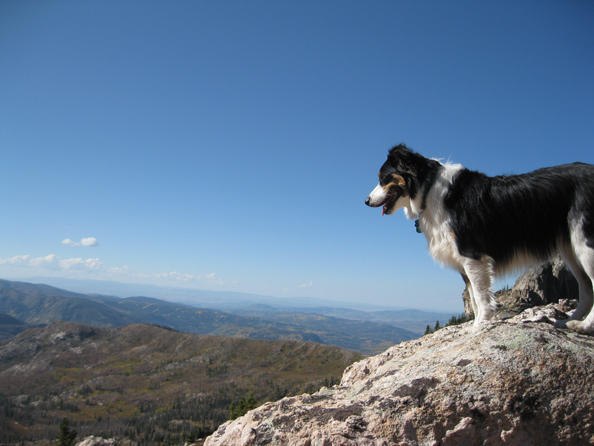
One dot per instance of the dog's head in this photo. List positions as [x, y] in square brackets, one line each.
[399, 180]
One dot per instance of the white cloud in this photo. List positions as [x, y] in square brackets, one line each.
[51, 261]
[80, 264]
[88, 242]
[25, 266]
[305, 285]
[175, 276]
[125, 270]
[16, 260]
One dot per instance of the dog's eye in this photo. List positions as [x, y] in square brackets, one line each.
[385, 179]
[388, 180]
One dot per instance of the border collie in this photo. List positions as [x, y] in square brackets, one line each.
[487, 226]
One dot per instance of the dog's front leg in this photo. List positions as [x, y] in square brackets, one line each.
[480, 276]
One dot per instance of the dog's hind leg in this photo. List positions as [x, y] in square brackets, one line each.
[480, 274]
[583, 250]
[585, 287]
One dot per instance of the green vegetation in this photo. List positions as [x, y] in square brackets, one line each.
[146, 383]
[454, 320]
[66, 437]
[242, 407]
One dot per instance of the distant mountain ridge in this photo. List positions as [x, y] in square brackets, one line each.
[10, 326]
[42, 304]
[213, 299]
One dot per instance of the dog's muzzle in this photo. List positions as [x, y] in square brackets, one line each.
[378, 197]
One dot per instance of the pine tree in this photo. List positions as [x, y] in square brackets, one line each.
[243, 407]
[66, 437]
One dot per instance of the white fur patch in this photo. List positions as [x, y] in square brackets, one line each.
[377, 196]
[434, 220]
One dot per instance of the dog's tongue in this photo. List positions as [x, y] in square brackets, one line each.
[383, 210]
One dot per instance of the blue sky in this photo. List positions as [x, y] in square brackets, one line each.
[230, 145]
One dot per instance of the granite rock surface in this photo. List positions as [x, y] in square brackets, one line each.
[509, 382]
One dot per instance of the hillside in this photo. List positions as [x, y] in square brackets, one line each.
[120, 381]
[364, 336]
[42, 304]
[414, 321]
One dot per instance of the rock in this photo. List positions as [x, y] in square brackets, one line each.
[466, 300]
[508, 383]
[517, 381]
[98, 441]
[543, 285]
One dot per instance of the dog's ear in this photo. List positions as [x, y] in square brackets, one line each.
[405, 160]
[399, 153]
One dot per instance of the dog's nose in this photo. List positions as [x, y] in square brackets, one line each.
[367, 201]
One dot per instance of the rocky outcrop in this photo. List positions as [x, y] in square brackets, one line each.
[515, 381]
[542, 285]
[508, 383]
[98, 441]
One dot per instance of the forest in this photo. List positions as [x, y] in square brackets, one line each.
[147, 384]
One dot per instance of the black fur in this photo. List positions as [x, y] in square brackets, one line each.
[506, 215]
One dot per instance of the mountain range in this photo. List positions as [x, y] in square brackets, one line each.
[366, 332]
[213, 299]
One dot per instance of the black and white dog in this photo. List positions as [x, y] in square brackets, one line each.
[486, 226]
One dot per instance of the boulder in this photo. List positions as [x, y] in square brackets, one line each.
[542, 285]
[98, 441]
[514, 381]
[507, 383]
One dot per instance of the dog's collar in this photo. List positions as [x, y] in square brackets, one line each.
[417, 227]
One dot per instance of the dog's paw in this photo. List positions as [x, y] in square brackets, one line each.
[580, 327]
[467, 329]
[479, 325]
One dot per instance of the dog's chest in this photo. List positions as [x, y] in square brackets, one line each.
[441, 241]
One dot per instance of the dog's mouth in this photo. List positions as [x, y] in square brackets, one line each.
[386, 198]
[390, 203]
